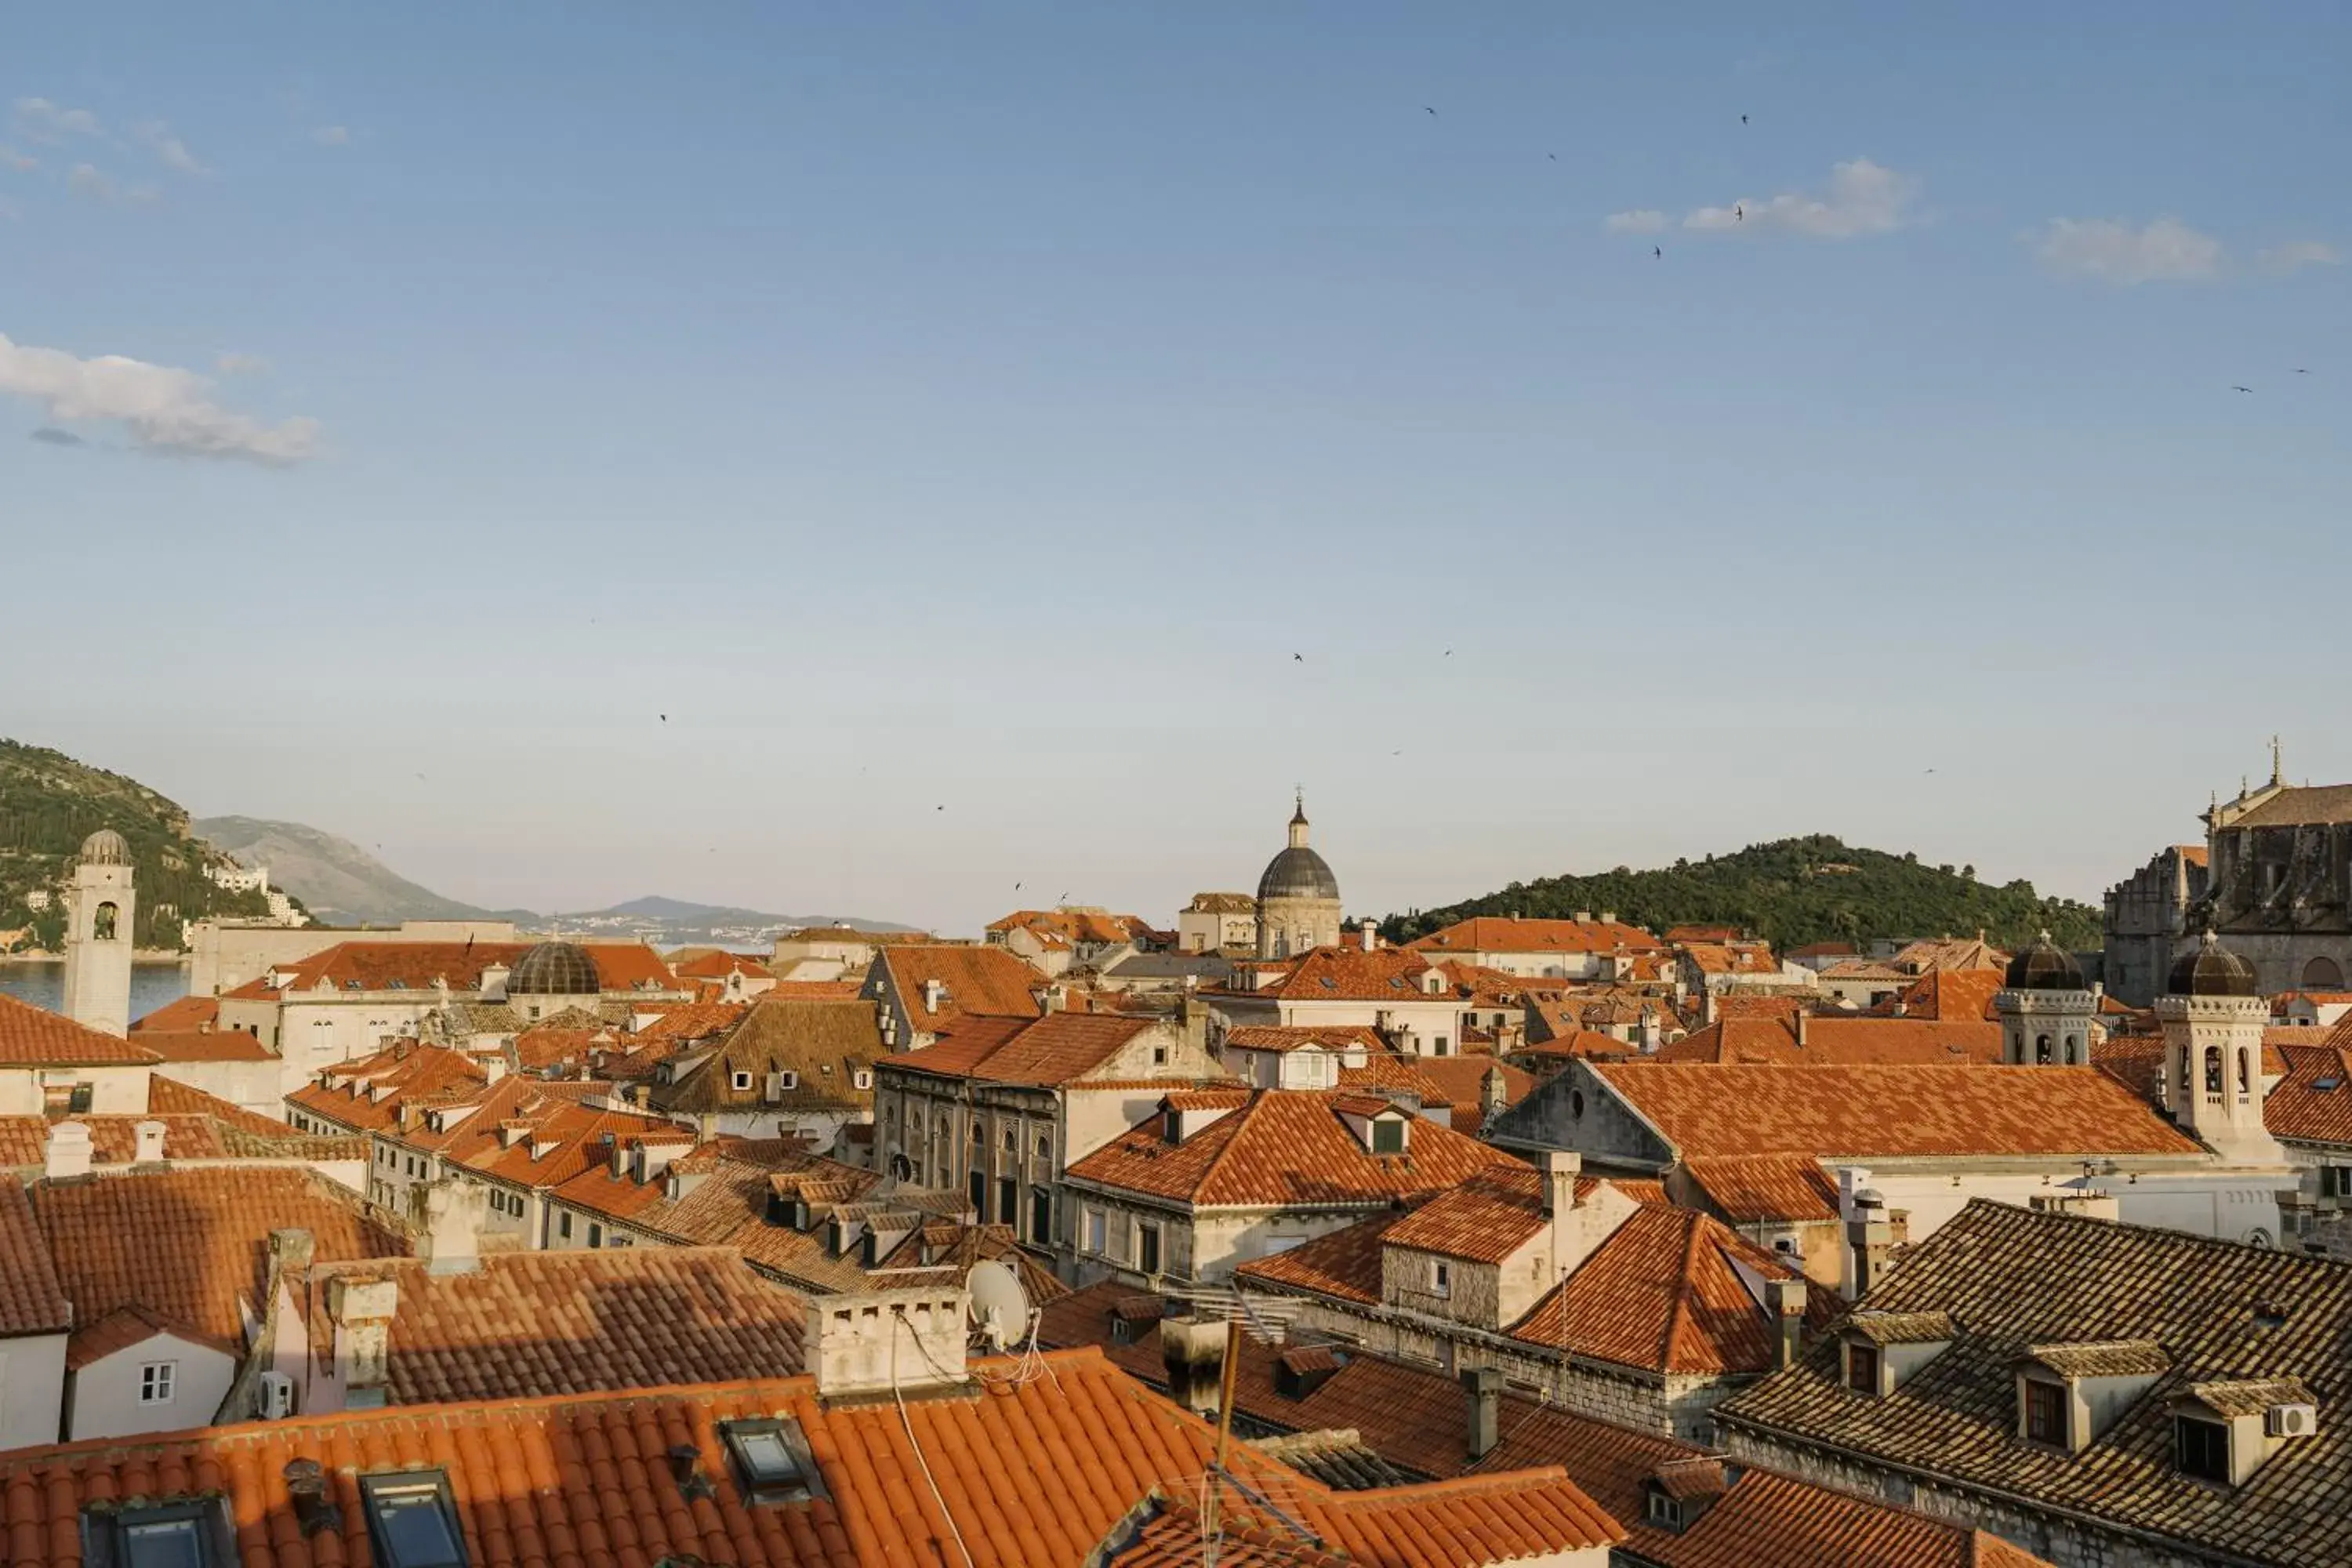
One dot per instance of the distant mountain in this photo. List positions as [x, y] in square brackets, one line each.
[49, 803]
[339, 882]
[342, 884]
[1792, 892]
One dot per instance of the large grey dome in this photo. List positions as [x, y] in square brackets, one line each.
[2044, 966]
[554, 969]
[2208, 969]
[105, 848]
[1299, 872]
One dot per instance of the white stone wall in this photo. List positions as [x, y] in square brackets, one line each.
[105, 1394]
[32, 1389]
[117, 1090]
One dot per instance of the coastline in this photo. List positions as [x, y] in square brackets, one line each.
[138, 955]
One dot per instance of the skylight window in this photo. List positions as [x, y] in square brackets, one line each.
[413, 1520]
[194, 1533]
[772, 1459]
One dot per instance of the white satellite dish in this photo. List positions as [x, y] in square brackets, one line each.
[1000, 1305]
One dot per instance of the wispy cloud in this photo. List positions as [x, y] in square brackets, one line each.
[20, 161]
[162, 409]
[1861, 198]
[331, 135]
[50, 435]
[2166, 250]
[2300, 253]
[88, 180]
[39, 119]
[157, 138]
[241, 365]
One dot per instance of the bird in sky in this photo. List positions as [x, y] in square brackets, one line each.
[420, 775]
[1449, 653]
[2241, 389]
[2303, 373]
[664, 718]
[1016, 887]
[1298, 657]
[1743, 120]
[939, 808]
[1431, 111]
[1655, 251]
[1739, 213]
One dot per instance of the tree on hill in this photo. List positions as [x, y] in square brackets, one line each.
[1792, 892]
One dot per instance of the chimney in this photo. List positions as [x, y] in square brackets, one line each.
[306, 1488]
[1870, 1238]
[1561, 1167]
[68, 1155]
[1608, 916]
[885, 1341]
[148, 1148]
[494, 982]
[1584, 917]
[934, 991]
[1786, 1297]
[1193, 1349]
[361, 1310]
[451, 1239]
[1800, 1025]
[1484, 1386]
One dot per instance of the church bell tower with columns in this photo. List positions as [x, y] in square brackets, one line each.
[97, 935]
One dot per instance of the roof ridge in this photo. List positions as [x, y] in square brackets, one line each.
[1678, 1322]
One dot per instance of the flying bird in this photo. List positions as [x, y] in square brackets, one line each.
[2241, 389]
[664, 718]
[1739, 213]
[939, 808]
[1655, 251]
[1431, 111]
[1743, 120]
[1300, 657]
[1449, 653]
[2303, 373]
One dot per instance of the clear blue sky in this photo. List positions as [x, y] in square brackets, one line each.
[980, 406]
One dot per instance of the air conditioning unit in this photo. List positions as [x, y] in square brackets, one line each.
[276, 1399]
[2291, 1420]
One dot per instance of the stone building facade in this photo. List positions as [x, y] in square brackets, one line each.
[1297, 898]
[2146, 917]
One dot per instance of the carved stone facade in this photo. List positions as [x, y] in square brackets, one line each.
[2148, 916]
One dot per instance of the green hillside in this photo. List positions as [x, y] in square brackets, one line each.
[50, 804]
[1792, 892]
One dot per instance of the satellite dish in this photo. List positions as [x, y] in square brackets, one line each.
[999, 1306]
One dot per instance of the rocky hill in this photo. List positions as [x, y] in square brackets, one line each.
[1792, 892]
[339, 882]
[51, 803]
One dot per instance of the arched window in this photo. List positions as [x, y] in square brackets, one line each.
[2213, 1072]
[2245, 1073]
[2042, 1050]
[101, 924]
[2181, 1079]
[2323, 974]
[2075, 1057]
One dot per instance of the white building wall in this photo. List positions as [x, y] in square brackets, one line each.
[32, 1389]
[117, 1091]
[105, 1394]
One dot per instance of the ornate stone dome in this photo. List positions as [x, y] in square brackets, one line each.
[2044, 966]
[105, 848]
[554, 969]
[2208, 969]
[1299, 872]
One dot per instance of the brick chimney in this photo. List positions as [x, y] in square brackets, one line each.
[148, 1146]
[1798, 1024]
[361, 1310]
[1193, 1349]
[67, 1154]
[870, 1343]
[1561, 1167]
[1786, 1299]
[1484, 1386]
[450, 1241]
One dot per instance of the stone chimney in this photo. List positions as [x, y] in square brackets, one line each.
[1371, 935]
[450, 1238]
[1484, 1386]
[1799, 1025]
[494, 982]
[361, 1310]
[1786, 1299]
[1870, 1239]
[148, 1146]
[68, 1155]
[870, 1343]
[1193, 1348]
[934, 993]
[1561, 1167]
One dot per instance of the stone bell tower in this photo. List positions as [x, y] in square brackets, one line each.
[2213, 1014]
[99, 910]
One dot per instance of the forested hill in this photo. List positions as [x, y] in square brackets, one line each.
[1792, 892]
[51, 803]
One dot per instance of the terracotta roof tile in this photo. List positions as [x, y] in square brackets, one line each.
[1749, 1188]
[32, 1301]
[1345, 1264]
[1768, 1520]
[419, 965]
[1286, 1038]
[817, 1048]
[128, 1326]
[1352, 974]
[1709, 1110]
[1490, 933]
[976, 981]
[204, 1045]
[1048, 1051]
[720, 965]
[181, 1013]
[2299, 1108]
[35, 1036]
[1839, 1042]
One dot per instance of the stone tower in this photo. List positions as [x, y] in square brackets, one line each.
[98, 913]
[2214, 1016]
[1297, 899]
[2046, 1009]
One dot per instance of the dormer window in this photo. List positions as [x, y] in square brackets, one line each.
[1861, 1368]
[1665, 1512]
[772, 1461]
[2068, 1395]
[2045, 1412]
[1388, 1135]
[2201, 1448]
[1882, 1350]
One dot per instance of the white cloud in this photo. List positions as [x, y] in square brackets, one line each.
[1862, 198]
[2302, 253]
[43, 120]
[162, 409]
[2164, 251]
[11, 159]
[169, 148]
[333, 136]
[99, 186]
[241, 365]
[1644, 220]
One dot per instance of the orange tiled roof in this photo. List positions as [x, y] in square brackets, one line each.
[1346, 1263]
[1838, 1042]
[1522, 1516]
[1070, 926]
[813, 991]
[1768, 1520]
[1049, 1051]
[978, 981]
[1457, 1083]
[720, 965]
[191, 1244]
[529, 1323]
[32, 1301]
[1706, 1108]
[204, 1045]
[35, 1036]
[1955, 995]
[1352, 974]
[1289, 1037]
[1285, 1148]
[417, 965]
[1491, 933]
[539, 1047]
[181, 1013]
[1034, 1471]
[1749, 1188]
[1487, 1218]
[2300, 1109]
[409, 1075]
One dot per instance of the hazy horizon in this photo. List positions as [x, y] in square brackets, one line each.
[1096, 423]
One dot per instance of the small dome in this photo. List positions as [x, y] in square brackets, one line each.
[554, 969]
[1299, 872]
[105, 848]
[2208, 969]
[2044, 966]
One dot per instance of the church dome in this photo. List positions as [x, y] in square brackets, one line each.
[105, 848]
[554, 969]
[2208, 969]
[1299, 872]
[2044, 966]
